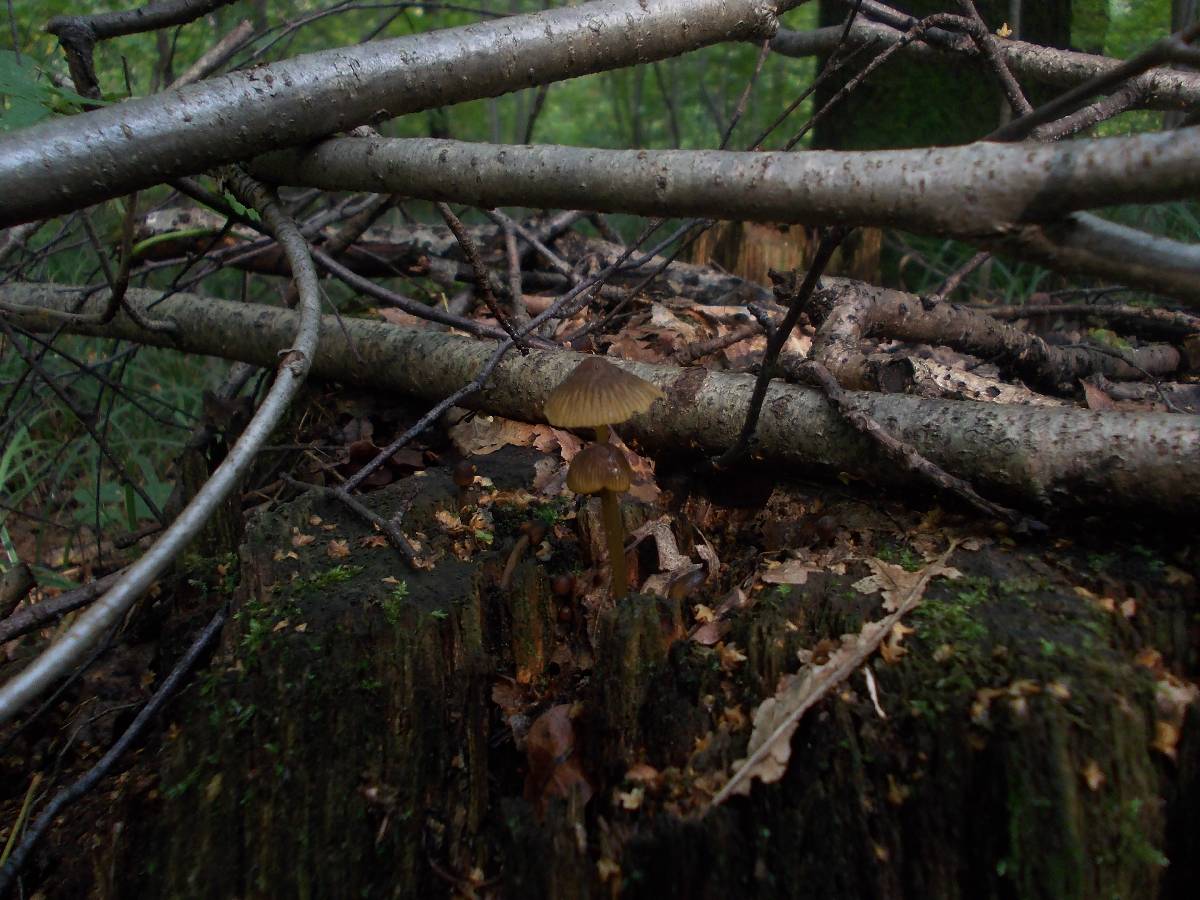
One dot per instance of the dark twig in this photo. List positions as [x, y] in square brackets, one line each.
[907, 455]
[93, 776]
[700, 349]
[1125, 98]
[389, 527]
[1169, 49]
[78, 35]
[482, 277]
[986, 42]
[556, 263]
[798, 297]
[539, 103]
[955, 278]
[574, 298]
[86, 420]
[516, 298]
[432, 313]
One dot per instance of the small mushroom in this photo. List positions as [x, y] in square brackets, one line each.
[602, 469]
[598, 394]
[532, 534]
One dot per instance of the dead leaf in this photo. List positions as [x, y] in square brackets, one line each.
[776, 718]
[792, 571]
[710, 634]
[730, 656]
[338, 549]
[891, 649]
[896, 582]
[1166, 739]
[554, 769]
[630, 800]
[301, 540]
[1096, 398]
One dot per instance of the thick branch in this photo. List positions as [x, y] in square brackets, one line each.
[1008, 196]
[1049, 456]
[1160, 88]
[860, 311]
[64, 164]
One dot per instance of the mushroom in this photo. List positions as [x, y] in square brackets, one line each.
[598, 394]
[602, 469]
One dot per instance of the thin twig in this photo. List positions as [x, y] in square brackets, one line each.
[391, 530]
[482, 277]
[906, 454]
[798, 300]
[988, 48]
[93, 776]
[1169, 49]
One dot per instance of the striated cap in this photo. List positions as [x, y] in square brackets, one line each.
[598, 393]
[599, 467]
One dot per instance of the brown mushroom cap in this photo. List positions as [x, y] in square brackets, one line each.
[598, 393]
[599, 467]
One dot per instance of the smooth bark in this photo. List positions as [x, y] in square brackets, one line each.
[1016, 198]
[63, 164]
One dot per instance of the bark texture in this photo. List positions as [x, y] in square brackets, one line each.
[346, 743]
[1050, 457]
[64, 164]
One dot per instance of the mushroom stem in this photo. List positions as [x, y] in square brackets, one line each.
[614, 532]
[601, 434]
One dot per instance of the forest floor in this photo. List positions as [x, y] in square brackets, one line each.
[761, 581]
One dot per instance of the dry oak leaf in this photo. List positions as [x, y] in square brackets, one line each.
[776, 718]
[896, 582]
[338, 549]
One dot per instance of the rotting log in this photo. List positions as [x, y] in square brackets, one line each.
[1052, 457]
[344, 742]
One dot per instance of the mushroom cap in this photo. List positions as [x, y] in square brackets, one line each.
[598, 393]
[599, 467]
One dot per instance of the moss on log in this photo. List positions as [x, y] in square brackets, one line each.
[346, 741]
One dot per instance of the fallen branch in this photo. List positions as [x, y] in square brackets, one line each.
[1020, 199]
[1160, 88]
[299, 347]
[860, 311]
[64, 164]
[1051, 457]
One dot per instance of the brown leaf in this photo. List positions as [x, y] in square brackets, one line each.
[338, 549]
[554, 769]
[776, 718]
[301, 540]
[897, 583]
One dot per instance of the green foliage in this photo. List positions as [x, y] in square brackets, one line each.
[26, 99]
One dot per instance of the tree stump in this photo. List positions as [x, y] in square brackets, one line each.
[351, 740]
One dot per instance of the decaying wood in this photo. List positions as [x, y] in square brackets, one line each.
[356, 739]
[857, 311]
[1044, 456]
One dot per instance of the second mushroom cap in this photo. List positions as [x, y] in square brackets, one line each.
[599, 467]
